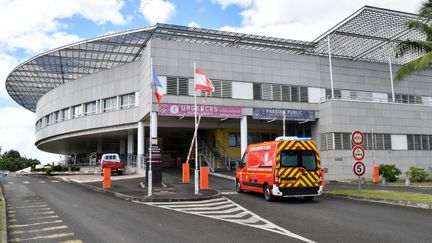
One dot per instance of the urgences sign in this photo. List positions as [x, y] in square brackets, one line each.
[210, 111]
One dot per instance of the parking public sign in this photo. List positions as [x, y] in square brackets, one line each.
[358, 152]
[359, 168]
[357, 137]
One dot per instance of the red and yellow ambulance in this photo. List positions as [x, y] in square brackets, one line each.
[286, 167]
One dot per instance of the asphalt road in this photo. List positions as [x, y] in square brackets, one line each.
[94, 217]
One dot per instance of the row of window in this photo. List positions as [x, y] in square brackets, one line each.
[378, 141]
[342, 141]
[234, 138]
[378, 97]
[86, 109]
[224, 89]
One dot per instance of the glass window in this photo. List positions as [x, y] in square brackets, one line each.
[110, 104]
[127, 101]
[57, 117]
[289, 158]
[308, 159]
[233, 140]
[90, 108]
[77, 111]
[65, 114]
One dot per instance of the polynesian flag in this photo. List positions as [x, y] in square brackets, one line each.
[157, 85]
[202, 82]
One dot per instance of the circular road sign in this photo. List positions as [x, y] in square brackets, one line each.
[357, 137]
[359, 168]
[358, 152]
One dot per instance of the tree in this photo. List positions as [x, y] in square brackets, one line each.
[12, 160]
[420, 47]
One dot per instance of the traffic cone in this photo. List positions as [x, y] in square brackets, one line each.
[375, 173]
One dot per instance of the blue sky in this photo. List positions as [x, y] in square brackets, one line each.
[29, 27]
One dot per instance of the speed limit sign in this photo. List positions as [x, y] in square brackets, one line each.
[359, 168]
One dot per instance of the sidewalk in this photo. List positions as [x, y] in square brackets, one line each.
[132, 187]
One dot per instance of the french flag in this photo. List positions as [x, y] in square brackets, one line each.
[202, 82]
[158, 88]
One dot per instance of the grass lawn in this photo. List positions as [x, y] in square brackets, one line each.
[387, 195]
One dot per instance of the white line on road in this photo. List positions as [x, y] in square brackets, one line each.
[38, 230]
[44, 217]
[33, 206]
[33, 224]
[53, 236]
[43, 213]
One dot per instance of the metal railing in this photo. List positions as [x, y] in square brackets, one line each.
[376, 100]
[206, 154]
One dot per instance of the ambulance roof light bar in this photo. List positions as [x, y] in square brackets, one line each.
[286, 138]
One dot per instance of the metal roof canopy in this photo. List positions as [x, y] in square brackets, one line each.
[368, 35]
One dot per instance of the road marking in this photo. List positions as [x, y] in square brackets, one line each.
[229, 193]
[226, 210]
[10, 182]
[72, 241]
[42, 182]
[33, 206]
[44, 237]
[38, 230]
[26, 182]
[33, 224]
[54, 181]
[43, 213]
[44, 217]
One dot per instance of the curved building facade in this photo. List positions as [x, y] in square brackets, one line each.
[94, 96]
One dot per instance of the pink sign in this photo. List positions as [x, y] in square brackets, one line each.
[206, 111]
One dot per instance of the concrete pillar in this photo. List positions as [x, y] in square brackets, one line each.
[99, 147]
[154, 125]
[243, 134]
[130, 145]
[140, 150]
[122, 149]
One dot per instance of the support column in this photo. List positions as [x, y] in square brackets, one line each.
[130, 145]
[391, 74]
[243, 134]
[99, 147]
[330, 67]
[140, 150]
[154, 125]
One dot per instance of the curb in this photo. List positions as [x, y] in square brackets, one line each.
[143, 199]
[408, 204]
[4, 234]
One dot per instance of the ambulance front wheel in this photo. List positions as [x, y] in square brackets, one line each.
[268, 196]
[238, 187]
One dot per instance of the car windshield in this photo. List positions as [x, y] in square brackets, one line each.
[301, 158]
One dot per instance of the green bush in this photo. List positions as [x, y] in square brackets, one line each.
[48, 171]
[56, 168]
[390, 172]
[417, 174]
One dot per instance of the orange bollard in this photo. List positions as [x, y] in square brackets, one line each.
[204, 177]
[375, 174]
[322, 178]
[186, 172]
[106, 178]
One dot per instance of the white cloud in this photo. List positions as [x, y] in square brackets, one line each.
[7, 63]
[193, 24]
[304, 20]
[226, 3]
[157, 11]
[18, 133]
[35, 25]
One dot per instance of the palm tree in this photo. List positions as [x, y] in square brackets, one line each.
[424, 62]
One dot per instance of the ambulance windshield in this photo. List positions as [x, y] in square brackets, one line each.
[298, 158]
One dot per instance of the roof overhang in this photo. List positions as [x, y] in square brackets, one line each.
[370, 34]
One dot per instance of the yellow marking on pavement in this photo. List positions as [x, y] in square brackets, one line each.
[53, 236]
[38, 230]
[33, 224]
[72, 241]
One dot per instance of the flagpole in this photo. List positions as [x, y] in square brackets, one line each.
[196, 134]
[150, 176]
